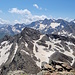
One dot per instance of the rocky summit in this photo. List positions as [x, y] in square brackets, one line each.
[26, 51]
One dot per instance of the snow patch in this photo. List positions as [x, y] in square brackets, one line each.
[19, 26]
[42, 26]
[2, 28]
[54, 25]
[4, 52]
[41, 54]
[62, 26]
[22, 28]
[74, 21]
[4, 42]
[15, 30]
[16, 47]
[21, 37]
[26, 44]
[25, 52]
[59, 33]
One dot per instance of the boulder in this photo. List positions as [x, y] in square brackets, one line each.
[59, 68]
[48, 67]
[66, 66]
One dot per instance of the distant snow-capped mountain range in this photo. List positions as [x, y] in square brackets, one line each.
[50, 26]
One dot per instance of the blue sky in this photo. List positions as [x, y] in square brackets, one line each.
[26, 11]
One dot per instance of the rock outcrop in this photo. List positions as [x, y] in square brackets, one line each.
[57, 66]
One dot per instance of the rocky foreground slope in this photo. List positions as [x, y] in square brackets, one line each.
[26, 51]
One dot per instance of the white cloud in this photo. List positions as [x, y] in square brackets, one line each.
[25, 16]
[36, 6]
[16, 21]
[36, 17]
[17, 11]
[4, 21]
[66, 19]
[28, 19]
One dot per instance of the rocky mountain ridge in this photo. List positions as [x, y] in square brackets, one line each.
[27, 50]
